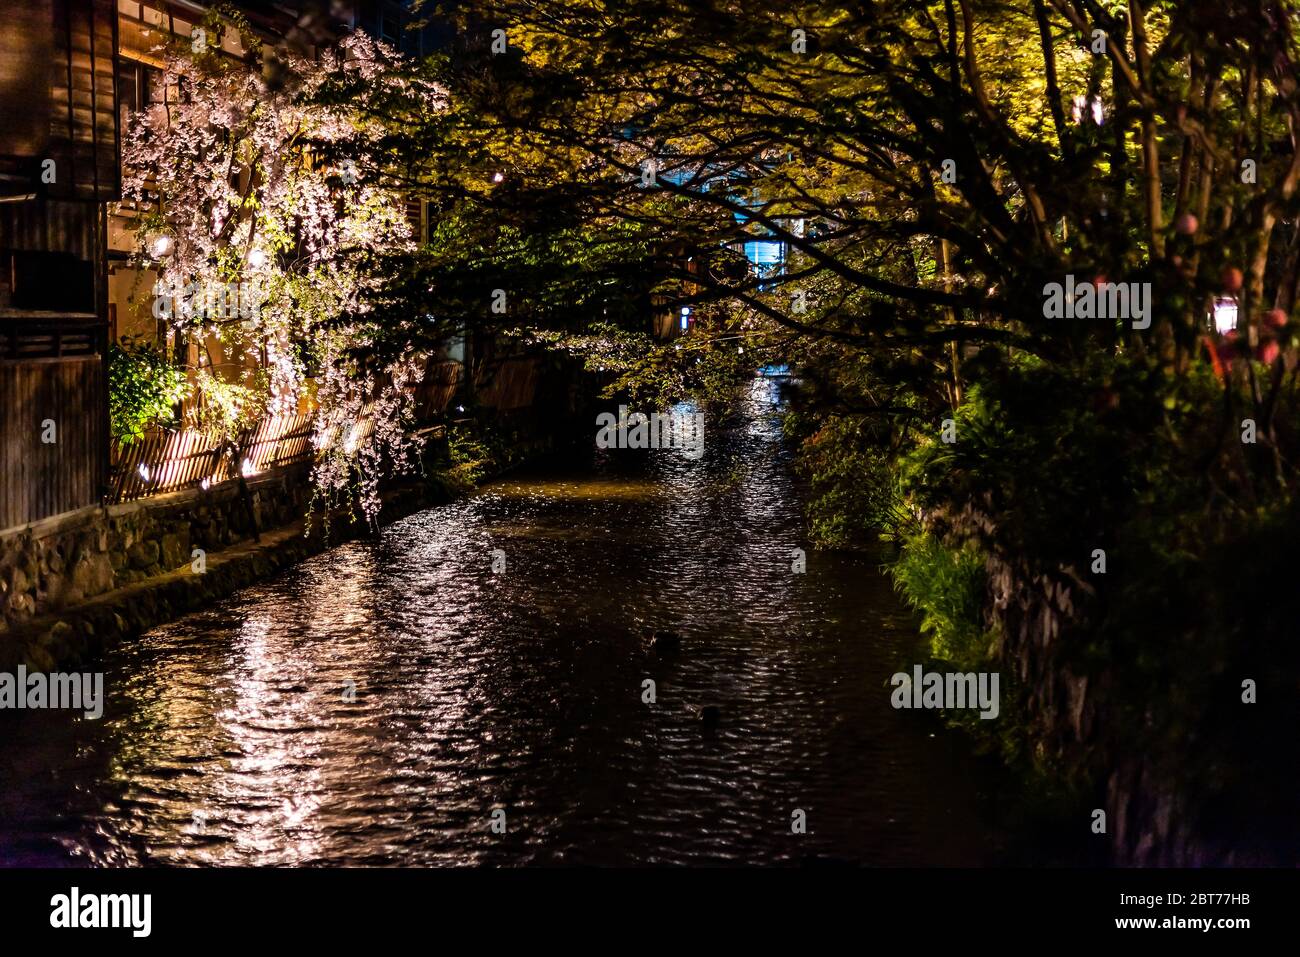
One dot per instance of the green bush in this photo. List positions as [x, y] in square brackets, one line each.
[948, 588]
[144, 388]
[854, 496]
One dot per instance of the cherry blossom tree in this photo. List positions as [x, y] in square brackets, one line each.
[267, 222]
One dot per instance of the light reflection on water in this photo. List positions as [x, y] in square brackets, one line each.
[227, 738]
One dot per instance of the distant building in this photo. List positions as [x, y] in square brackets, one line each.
[394, 22]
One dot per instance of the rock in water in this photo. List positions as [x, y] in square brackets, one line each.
[664, 642]
[710, 715]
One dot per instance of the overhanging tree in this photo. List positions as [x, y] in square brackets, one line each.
[272, 239]
[931, 167]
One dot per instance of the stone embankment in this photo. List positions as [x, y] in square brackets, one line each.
[73, 584]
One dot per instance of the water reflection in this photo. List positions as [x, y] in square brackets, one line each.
[232, 736]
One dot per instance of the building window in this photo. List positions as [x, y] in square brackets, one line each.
[138, 85]
[390, 29]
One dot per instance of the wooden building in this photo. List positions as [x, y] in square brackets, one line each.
[71, 74]
[59, 149]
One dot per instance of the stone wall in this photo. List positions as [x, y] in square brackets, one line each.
[65, 560]
[73, 584]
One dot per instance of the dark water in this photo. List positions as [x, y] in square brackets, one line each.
[227, 738]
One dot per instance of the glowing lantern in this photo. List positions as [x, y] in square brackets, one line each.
[1225, 315]
[160, 246]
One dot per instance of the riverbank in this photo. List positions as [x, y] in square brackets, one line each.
[76, 584]
[81, 632]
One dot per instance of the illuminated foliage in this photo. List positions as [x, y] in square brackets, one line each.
[269, 226]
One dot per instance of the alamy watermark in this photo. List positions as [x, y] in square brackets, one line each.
[77, 910]
[208, 300]
[1098, 299]
[946, 690]
[79, 692]
[659, 430]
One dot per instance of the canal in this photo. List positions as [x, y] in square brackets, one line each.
[234, 736]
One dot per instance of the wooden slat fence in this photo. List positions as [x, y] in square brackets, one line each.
[174, 460]
[170, 461]
[509, 384]
[436, 390]
[279, 441]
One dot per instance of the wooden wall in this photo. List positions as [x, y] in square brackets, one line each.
[509, 383]
[84, 135]
[39, 479]
[58, 99]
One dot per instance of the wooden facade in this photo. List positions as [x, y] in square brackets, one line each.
[51, 450]
[59, 167]
[58, 100]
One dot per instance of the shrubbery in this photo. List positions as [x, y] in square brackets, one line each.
[144, 389]
[1126, 667]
